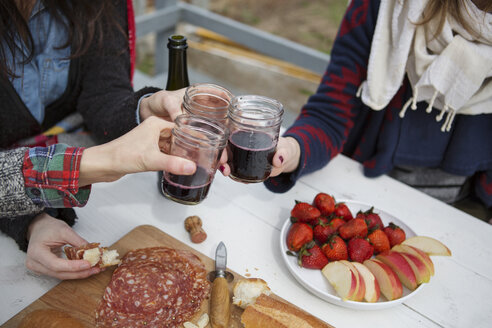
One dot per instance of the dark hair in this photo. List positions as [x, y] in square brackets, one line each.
[84, 20]
[454, 8]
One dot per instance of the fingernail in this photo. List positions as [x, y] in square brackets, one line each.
[85, 266]
[221, 168]
[281, 159]
[189, 167]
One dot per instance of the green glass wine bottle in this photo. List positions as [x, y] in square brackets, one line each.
[177, 77]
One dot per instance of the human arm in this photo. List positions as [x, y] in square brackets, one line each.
[59, 173]
[59, 176]
[19, 205]
[142, 149]
[327, 118]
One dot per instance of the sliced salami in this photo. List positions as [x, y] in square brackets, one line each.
[154, 287]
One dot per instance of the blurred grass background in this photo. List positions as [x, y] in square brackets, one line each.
[313, 23]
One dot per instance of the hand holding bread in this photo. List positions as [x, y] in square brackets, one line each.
[47, 235]
[92, 252]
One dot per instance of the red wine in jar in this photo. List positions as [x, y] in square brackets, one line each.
[187, 189]
[250, 155]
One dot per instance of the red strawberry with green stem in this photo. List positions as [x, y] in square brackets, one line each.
[335, 249]
[323, 231]
[373, 219]
[299, 234]
[360, 250]
[353, 228]
[396, 235]
[342, 211]
[311, 257]
[325, 203]
[337, 223]
[323, 219]
[379, 240]
[304, 212]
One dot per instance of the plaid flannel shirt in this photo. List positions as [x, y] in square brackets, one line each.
[51, 176]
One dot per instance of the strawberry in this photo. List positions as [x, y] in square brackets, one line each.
[342, 211]
[324, 203]
[322, 219]
[337, 223]
[335, 249]
[379, 240]
[311, 257]
[396, 235]
[304, 212]
[323, 231]
[353, 228]
[360, 250]
[373, 219]
[299, 234]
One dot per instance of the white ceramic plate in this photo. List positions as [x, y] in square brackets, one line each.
[316, 283]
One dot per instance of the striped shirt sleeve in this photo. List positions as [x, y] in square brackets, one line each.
[325, 121]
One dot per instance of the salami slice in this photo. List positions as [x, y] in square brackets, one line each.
[154, 287]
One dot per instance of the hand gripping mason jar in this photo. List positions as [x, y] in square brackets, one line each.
[207, 100]
[254, 125]
[202, 141]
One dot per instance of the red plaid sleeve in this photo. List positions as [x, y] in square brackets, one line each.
[51, 176]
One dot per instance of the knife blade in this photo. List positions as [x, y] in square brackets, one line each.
[220, 303]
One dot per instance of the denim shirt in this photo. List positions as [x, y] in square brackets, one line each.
[44, 79]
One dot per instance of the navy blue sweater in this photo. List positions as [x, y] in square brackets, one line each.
[335, 120]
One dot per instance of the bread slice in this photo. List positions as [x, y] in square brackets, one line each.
[246, 291]
[92, 252]
[272, 313]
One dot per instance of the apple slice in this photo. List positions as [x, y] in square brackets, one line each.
[428, 244]
[418, 253]
[421, 272]
[388, 281]
[401, 267]
[371, 284]
[360, 290]
[341, 278]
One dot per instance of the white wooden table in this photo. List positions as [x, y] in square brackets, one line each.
[248, 219]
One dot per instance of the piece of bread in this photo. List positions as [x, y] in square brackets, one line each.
[96, 255]
[246, 291]
[272, 313]
[49, 318]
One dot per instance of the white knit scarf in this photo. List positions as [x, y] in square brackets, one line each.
[452, 72]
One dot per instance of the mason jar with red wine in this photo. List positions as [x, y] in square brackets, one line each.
[200, 140]
[254, 126]
[207, 100]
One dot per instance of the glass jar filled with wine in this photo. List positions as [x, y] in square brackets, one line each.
[254, 125]
[200, 140]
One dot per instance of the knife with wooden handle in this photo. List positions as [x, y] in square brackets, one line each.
[220, 301]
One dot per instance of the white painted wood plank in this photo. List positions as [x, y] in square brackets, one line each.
[455, 296]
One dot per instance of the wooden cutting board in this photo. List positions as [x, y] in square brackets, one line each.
[80, 298]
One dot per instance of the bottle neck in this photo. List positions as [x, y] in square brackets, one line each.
[177, 77]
